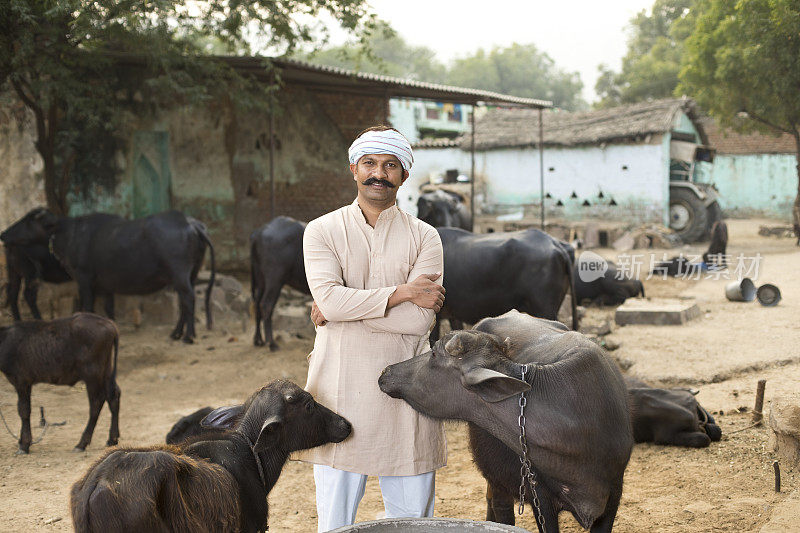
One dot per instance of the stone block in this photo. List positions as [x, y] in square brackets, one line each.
[784, 420]
[657, 312]
[294, 319]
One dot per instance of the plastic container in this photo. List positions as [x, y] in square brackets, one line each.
[428, 525]
[741, 291]
[768, 295]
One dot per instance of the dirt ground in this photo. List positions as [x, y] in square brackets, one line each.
[726, 487]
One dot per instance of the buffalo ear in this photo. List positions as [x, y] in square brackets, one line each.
[223, 417]
[492, 386]
[270, 433]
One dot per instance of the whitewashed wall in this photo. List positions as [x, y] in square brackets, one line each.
[634, 175]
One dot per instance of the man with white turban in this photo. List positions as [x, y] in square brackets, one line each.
[375, 273]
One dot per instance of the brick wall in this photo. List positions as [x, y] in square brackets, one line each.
[353, 113]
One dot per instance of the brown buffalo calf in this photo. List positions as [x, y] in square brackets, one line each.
[82, 347]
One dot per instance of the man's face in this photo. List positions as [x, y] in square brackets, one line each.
[378, 176]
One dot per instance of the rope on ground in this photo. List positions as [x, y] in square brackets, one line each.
[751, 426]
[44, 424]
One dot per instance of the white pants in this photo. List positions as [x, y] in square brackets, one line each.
[339, 493]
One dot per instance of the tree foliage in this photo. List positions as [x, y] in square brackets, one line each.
[519, 70]
[744, 57]
[385, 53]
[655, 47]
[76, 64]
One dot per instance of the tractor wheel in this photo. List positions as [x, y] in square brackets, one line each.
[688, 217]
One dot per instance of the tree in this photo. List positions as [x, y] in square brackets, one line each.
[520, 70]
[62, 59]
[385, 52]
[742, 60]
[655, 47]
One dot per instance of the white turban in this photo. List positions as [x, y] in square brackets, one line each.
[382, 142]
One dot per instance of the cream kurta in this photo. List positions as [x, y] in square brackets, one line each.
[352, 270]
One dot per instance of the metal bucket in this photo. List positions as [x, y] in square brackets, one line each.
[768, 295]
[741, 291]
[428, 525]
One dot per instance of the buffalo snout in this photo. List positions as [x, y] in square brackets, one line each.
[388, 382]
[339, 429]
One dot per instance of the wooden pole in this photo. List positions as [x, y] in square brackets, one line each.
[541, 165]
[472, 172]
[777, 469]
[757, 411]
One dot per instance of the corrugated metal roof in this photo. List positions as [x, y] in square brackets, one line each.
[338, 79]
[509, 128]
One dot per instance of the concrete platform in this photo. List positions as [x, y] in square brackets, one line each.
[656, 312]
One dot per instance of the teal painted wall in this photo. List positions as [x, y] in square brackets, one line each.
[756, 184]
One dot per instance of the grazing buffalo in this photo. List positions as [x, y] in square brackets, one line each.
[669, 416]
[106, 254]
[610, 289]
[219, 483]
[490, 274]
[82, 347]
[276, 259]
[576, 424]
[31, 263]
[443, 209]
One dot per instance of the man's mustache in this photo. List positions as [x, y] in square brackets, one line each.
[370, 181]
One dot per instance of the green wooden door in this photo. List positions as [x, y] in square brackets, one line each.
[151, 173]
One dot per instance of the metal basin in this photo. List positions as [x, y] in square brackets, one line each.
[428, 525]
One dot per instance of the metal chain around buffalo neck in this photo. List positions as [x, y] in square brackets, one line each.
[525, 471]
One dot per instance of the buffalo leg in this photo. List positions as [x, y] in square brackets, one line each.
[690, 439]
[267, 305]
[96, 400]
[31, 291]
[24, 410]
[109, 306]
[85, 296]
[186, 299]
[605, 522]
[499, 505]
[12, 294]
[258, 293]
[546, 507]
[113, 406]
[178, 331]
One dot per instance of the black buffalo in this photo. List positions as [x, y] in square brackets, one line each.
[669, 416]
[577, 423]
[30, 263]
[276, 259]
[490, 274]
[107, 254]
[443, 209]
[610, 289]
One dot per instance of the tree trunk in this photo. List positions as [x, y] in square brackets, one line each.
[55, 189]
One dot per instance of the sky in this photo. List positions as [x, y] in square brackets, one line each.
[578, 34]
